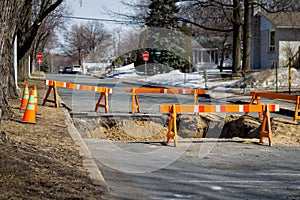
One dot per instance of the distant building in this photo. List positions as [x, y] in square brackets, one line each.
[275, 38]
[204, 58]
[87, 67]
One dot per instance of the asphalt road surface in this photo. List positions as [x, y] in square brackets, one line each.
[119, 100]
[206, 169]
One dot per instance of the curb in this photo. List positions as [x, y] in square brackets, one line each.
[88, 161]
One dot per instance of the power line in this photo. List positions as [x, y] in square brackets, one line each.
[98, 19]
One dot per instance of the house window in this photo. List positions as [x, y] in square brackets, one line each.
[272, 41]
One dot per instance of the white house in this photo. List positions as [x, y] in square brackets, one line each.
[275, 38]
[204, 58]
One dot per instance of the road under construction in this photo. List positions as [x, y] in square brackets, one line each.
[159, 108]
[132, 153]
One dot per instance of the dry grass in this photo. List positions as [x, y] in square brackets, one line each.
[40, 161]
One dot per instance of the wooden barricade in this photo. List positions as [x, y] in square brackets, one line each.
[174, 109]
[256, 96]
[54, 84]
[135, 102]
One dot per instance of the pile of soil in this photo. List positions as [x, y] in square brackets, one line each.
[189, 126]
[41, 161]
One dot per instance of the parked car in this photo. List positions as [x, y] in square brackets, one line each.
[67, 70]
[76, 69]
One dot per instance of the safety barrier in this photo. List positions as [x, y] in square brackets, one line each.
[256, 96]
[174, 109]
[54, 84]
[135, 102]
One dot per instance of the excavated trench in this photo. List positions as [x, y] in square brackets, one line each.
[154, 128]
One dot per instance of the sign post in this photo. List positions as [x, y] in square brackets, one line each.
[39, 57]
[290, 75]
[146, 58]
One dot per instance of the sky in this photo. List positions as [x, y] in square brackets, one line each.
[95, 9]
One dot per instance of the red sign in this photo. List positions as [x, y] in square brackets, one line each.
[39, 55]
[146, 56]
[39, 61]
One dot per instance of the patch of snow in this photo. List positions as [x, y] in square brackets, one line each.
[265, 79]
[125, 68]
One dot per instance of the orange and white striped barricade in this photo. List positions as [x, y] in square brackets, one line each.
[103, 92]
[256, 96]
[135, 102]
[52, 85]
[174, 109]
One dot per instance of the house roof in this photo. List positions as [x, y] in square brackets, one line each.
[283, 19]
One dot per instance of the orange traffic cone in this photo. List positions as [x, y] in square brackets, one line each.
[24, 97]
[35, 99]
[29, 114]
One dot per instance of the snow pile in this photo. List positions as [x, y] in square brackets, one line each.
[125, 68]
[264, 79]
[176, 79]
[127, 71]
[267, 80]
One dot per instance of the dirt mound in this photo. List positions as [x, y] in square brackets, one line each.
[189, 126]
[121, 130]
[241, 126]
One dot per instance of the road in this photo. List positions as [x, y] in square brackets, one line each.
[119, 101]
[206, 169]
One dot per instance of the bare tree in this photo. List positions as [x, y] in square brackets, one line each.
[222, 16]
[86, 41]
[239, 13]
[214, 16]
[75, 44]
[96, 37]
[138, 12]
[18, 19]
[35, 13]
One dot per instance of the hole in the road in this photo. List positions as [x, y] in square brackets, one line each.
[149, 128]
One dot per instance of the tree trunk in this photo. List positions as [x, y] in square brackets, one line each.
[247, 35]
[23, 68]
[8, 20]
[237, 36]
[8, 23]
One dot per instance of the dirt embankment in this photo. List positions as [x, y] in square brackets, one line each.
[189, 126]
[40, 161]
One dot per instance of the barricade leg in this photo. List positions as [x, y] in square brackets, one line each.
[196, 101]
[266, 131]
[256, 98]
[296, 116]
[135, 102]
[106, 100]
[105, 105]
[258, 103]
[54, 93]
[172, 126]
